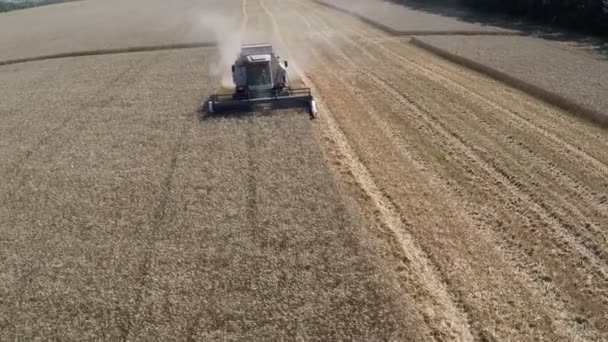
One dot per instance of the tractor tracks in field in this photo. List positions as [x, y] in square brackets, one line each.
[446, 318]
[252, 187]
[511, 118]
[474, 154]
[478, 159]
[518, 124]
[505, 141]
[16, 178]
[127, 75]
[159, 217]
[553, 220]
[452, 309]
[551, 147]
[448, 307]
[558, 225]
[443, 75]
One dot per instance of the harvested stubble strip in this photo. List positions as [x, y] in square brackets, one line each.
[574, 80]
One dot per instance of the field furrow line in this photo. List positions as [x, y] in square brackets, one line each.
[525, 185]
[575, 187]
[555, 121]
[371, 74]
[13, 170]
[548, 177]
[531, 206]
[425, 169]
[159, 217]
[546, 162]
[252, 205]
[530, 209]
[367, 76]
[457, 308]
[390, 218]
[542, 165]
[524, 212]
[553, 177]
[456, 75]
[446, 76]
[464, 91]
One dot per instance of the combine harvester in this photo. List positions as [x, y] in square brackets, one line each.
[261, 79]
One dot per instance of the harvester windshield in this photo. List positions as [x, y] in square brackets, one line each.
[258, 75]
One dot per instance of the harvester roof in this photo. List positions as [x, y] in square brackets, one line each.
[256, 49]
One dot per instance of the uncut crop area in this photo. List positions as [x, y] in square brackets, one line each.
[427, 202]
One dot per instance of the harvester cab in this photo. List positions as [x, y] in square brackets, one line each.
[257, 69]
[260, 78]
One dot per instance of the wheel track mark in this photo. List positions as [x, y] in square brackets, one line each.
[377, 40]
[545, 291]
[564, 203]
[402, 152]
[572, 122]
[252, 186]
[574, 186]
[378, 80]
[389, 215]
[252, 206]
[159, 217]
[459, 305]
[426, 71]
[556, 177]
[51, 134]
[579, 190]
[244, 17]
[6, 198]
[516, 117]
[423, 263]
[505, 175]
[514, 189]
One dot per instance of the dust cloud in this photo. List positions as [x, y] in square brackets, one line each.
[228, 35]
[230, 30]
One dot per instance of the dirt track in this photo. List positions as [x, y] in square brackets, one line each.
[483, 211]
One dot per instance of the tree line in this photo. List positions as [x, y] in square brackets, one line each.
[6, 6]
[590, 15]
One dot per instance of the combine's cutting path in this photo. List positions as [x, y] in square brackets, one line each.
[492, 205]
